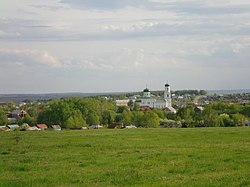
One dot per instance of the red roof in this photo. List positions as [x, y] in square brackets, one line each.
[42, 126]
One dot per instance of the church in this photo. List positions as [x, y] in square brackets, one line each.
[151, 102]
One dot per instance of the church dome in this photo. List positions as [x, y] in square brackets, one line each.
[146, 90]
[166, 85]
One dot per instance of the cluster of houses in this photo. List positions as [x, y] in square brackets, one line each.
[15, 115]
[13, 118]
[38, 127]
[26, 127]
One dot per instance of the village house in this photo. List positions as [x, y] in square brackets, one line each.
[34, 128]
[16, 115]
[95, 127]
[112, 126]
[123, 102]
[56, 127]
[13, 127]
[42, 126]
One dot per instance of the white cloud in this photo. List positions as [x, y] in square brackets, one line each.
[27, 57]
[136, 27]
[119, 60]
[2, 33]
[96, 40]
[240, 47]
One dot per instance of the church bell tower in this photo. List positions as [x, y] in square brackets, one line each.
[167, 95]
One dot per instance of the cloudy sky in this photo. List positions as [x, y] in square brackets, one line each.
[122, 45]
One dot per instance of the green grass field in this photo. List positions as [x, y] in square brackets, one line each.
[126, 157]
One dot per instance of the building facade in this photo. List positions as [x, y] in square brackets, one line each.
[151, 102]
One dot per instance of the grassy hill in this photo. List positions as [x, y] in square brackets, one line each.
[126, 157]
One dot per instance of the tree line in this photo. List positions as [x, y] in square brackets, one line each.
[83, 112]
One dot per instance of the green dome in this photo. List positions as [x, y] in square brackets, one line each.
[146, 90]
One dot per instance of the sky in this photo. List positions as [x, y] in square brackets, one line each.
[54, 46]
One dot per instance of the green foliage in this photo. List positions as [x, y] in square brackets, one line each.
[202, 92]
[27, 119]
[136, 106]
[246, 111]
[93, 111]
[222, 107]
[3, 118]
[137, 118]
[225, 121]
[120, 109]
[160, 113]
[93, 119]
[217, 114]
[130, 104]
[32, 111]
[108, 117]
[151, 119]
[126, 117]
[78, 112]
[238, 119]
[122, 96]
[24, 126]
[76, 120]
[210, 117]
[118, 117]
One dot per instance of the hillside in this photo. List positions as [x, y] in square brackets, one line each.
[125, 157]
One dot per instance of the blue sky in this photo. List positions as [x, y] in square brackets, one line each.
[122, 45]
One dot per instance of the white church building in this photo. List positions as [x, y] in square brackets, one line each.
[151, 102]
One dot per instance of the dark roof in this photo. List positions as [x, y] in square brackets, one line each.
[146, 90]
[167, 85]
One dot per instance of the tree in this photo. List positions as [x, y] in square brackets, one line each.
[118, 117]
[187, 114]
[120, 109]
[74, 111]
[27, 119]
[203, 92]
[93, 119]
[151, 119]
[126, 117]
[137, 118]
[238, 119]
[108, 117]
[210, 117]
[57, 113]
[131, 104]
[161, 114]
[226, 120]
[246, 111]
[3, 118]
[136, 106]
[76, 120]
[44, 117]
[122, 96]
[33, 111]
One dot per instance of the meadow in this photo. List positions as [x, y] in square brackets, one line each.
[126, 157]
